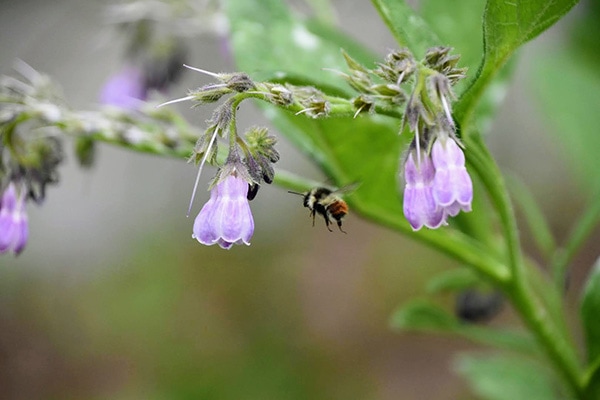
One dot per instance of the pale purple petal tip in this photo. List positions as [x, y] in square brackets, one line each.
[14, 228]
[125, 90]
[420, 208]
[452, 185]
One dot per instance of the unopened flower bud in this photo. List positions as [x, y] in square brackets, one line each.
[279, 94]
[210, 93]
[239, 82]
[85, 150]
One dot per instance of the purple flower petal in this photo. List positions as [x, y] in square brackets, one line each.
[14, 228]
[420, 208]
[452, 185]
[226, 219]
[125, 89]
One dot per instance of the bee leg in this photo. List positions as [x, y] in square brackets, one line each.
[327, 222]
[339, 224]
[312, 214]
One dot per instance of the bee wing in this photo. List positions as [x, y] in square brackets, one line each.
[347, 189]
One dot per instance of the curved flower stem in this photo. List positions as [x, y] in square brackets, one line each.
[518, 289]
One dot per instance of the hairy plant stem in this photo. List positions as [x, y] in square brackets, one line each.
[531, 309]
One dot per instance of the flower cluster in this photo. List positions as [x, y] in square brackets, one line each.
[29, 157]
[155, 46]
[226, 218]
[437, 185]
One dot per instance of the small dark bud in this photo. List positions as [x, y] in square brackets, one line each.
[280, 95]
[399, 65]
[316, 107]
[268, 173]
[239, 82]
[221, 117]
[476, 306]
[439, 59]
[85, 150]
[252, 191]
[163, 65]
[363, 103]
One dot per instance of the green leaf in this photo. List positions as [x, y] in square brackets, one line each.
[568, 88]
[453, 280]
[500, 377]
[533, 215]
[269, 41]
[506, 26]
[409, 29]
[590, 312]
[591, 380]
[423, 316]
[458, 24]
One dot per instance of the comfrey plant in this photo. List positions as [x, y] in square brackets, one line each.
[410, 128]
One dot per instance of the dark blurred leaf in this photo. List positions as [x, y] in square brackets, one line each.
[590, 314]
[453, 280]
[592, 380]
[409, 29]
[531, 211]
[423, 316]
[499, 377]
[506, 26]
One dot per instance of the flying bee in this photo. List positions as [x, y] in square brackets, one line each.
[328, 203]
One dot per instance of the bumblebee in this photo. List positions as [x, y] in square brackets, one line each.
[327, 203]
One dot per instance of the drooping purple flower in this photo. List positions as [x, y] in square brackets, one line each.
[452, 185]
[127, 89]
[14, 229]
[226, 218]
[420, 207]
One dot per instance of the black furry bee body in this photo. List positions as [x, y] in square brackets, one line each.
[327, 203]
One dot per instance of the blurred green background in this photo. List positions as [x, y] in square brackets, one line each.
[112, 299]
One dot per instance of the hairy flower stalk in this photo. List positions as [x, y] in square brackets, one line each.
[226, 218]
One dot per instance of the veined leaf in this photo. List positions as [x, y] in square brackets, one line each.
[500, 377]
[507, 24]
[267, 39]
[424, 316]
[409, 29]
[590, 312]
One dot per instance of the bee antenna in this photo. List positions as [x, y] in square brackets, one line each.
[299, 194]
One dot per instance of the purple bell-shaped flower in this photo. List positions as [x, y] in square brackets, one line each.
[14, 229]
[452, 186]
[420, 207]
[226, 218]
